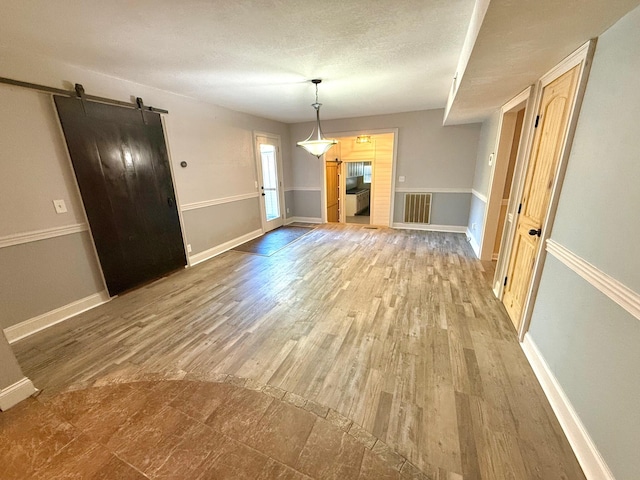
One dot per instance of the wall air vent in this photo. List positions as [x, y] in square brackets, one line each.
[417, 208]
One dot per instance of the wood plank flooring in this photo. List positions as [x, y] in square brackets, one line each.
[396, 330]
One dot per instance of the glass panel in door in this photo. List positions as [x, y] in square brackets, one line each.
[270, 182]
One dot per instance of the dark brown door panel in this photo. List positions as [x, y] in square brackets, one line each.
[122, 168]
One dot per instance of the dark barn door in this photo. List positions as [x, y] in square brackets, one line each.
[122, 167]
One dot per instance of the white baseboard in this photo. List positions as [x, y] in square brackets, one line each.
[473, 243]
[35, 324]
[592, 463]
[217, 250]
[16, 393]
[429, 228]
[302, 220]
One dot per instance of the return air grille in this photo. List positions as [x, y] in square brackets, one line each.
[417, 207]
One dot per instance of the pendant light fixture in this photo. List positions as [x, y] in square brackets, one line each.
[316, 144]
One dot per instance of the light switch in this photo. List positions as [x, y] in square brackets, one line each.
[401, 178]
[60, 206]
[491, 159]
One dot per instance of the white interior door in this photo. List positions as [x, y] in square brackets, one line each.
[269, 181]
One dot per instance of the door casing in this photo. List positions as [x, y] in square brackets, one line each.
[582, 56]
[272, 139]
[323, 193]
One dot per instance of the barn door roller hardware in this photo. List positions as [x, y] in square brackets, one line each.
[78, 92]
[82, 96]
[140, 104]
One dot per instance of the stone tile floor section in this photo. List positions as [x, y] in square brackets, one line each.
[189, 430]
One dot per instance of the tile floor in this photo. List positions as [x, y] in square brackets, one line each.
[184, 430]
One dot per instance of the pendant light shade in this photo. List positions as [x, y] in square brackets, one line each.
[316, 144]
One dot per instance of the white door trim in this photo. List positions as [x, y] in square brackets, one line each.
[257, 159]
[582, 56]
[528, 96]
[355, 133]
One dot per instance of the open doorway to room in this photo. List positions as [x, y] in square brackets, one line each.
[357, 205]
[359, 169]
[511, 145]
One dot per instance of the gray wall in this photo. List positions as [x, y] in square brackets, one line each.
[10, 372]
[589, 342]
[451, 209]
[217, 144]
[428, 156]
[289, 205]
[217, 224]
[482, 174]
[306, 203]
[41, 276]
[476, 219]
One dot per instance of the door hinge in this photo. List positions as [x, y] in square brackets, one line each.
[505, 281]
[519, 209]
[537, 121]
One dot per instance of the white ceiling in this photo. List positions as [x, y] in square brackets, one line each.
[519, 42]
[375, 56]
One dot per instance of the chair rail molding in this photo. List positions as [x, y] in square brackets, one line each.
[45, 234]
[479, 195]
[612, 288]
[217, 201]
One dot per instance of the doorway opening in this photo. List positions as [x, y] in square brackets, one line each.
[511, 145]
[357, 205]
[358, 180]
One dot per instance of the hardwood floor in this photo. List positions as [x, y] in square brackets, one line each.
[396, 330]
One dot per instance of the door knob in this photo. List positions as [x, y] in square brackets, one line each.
[264, 194]
[534, 232]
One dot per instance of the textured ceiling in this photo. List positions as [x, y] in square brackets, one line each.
[375, 56]
[257, 56]
[519, 42]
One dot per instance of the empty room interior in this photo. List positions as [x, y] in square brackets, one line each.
[320, 240]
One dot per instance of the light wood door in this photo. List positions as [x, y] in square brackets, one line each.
[552, 122]
[333, 195]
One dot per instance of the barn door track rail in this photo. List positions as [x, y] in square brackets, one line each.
[78, 92]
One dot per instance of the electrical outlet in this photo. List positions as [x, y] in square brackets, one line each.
[60, 206]
[401, 179]
[188, 248]
[288, 211]
[473, 226]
